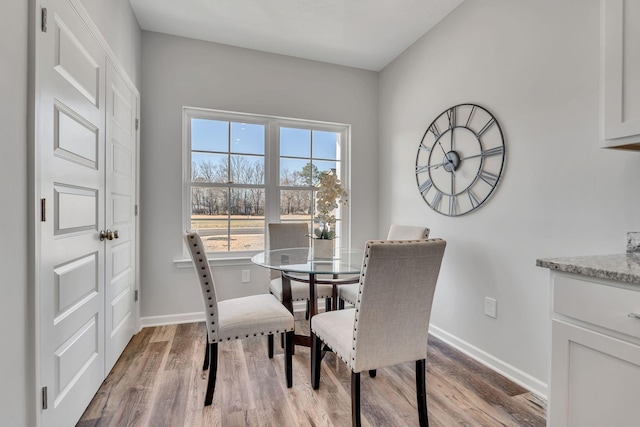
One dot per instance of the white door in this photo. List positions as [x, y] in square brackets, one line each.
[86, 177]
[120, 262]
[70, 138]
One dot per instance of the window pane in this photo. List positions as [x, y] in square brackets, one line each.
[296, 205]
[247, 138]
[324, 166]
[209, 168]
[295, 142]
[208, 202]
[247, 169]
[247, 203]
[209, 135]
[247, 234]
[247, 219]
[214, 233]
[298, 172]
[325, 145]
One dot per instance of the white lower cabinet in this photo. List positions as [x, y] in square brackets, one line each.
[595, 361]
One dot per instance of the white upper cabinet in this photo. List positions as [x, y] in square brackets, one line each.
[620, 103]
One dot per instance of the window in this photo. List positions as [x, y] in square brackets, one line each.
[243, 171]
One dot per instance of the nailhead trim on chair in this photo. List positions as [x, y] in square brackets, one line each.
[364, 271]
[213, 338]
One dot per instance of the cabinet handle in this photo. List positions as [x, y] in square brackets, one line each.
[634, 315]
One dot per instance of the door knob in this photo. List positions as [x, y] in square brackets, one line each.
[109, 235]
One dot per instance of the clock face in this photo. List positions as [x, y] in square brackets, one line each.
[460, 160]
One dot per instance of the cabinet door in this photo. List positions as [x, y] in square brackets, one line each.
[621, 72]
[594, 379]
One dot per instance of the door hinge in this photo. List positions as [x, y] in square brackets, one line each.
[45, 404]
[135, 295]
[44, 20]
[136, 210]
[137, 124]
[43, 210]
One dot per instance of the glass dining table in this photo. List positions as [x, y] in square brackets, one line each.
[301, 265]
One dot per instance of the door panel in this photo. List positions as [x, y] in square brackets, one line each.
[70, 163]
[121, 140]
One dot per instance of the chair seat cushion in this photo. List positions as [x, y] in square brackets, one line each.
[349, 293]
[335, 328]
[299, 290]
[251, 316]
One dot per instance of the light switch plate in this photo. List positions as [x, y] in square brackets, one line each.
[246, 276]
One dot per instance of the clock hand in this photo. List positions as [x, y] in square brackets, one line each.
[471, 157]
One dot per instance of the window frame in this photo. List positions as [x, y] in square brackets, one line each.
[272, 185]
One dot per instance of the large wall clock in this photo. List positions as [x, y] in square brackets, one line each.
[460, 160]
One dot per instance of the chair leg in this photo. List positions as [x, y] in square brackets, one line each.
[355, 399]
[340, 304]
[327, 304]
[213, 370]
[421, 391]
[316, 358]
[306, 315]
[205, 364]
[270, 345]
[372, 373]
[288, 358]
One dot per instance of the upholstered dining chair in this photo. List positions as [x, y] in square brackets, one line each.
[349, 293]
[292, 235]
[375, 333]
[237, 318]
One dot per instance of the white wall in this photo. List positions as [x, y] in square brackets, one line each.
[535, 65]
[14, 314]
[183, 72]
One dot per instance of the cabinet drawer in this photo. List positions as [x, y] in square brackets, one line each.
[598, 304]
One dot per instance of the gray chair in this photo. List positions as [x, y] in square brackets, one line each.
[376, 333]
[349, 293]
[292, 235]
[237, 318]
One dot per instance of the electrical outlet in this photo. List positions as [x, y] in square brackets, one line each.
[246, 276]
[490, 307]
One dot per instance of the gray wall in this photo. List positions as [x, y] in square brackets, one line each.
[183, 72]
[535, 65]
[15, 337]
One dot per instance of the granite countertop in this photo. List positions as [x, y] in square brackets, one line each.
[623, 267]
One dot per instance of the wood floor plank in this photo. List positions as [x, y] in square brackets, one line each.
[159, 381]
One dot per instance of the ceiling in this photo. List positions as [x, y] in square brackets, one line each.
[365, 34]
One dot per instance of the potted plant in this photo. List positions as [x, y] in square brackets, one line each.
[330, 194]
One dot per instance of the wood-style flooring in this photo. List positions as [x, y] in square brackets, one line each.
[159, 381]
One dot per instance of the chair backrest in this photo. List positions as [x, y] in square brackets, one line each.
[407, 232]
[287, 235]
[397, 285]
[207, 286]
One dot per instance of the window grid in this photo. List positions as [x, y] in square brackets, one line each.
[240, 231]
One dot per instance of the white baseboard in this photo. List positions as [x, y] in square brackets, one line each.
[172, 319]
[532, 384]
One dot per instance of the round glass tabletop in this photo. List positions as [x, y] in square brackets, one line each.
[302, 260]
